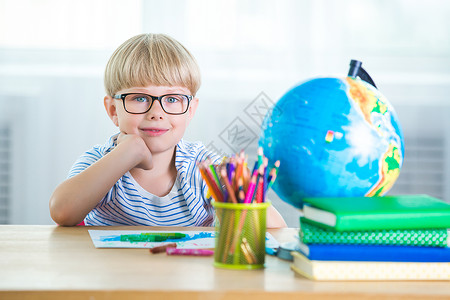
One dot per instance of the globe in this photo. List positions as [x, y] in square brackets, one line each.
[334, 137]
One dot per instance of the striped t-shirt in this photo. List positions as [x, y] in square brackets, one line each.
[127, 203]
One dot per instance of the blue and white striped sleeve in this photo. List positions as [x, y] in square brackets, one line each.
[85, 160]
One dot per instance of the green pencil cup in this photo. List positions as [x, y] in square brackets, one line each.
[240, 235]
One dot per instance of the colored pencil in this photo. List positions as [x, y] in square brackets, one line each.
[260, 156]
[240, 165]
[192, 252]
[265, 177]
[273, 174]
[230, 170]
[241, 196]
[260, 191]
[250, 191]
[214, 173]
[230, 191]
[210, 182]
[240, 189]
[162, 248]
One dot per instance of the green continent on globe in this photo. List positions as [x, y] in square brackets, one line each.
[389, 172]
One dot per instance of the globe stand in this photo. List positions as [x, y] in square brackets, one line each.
[356, 70]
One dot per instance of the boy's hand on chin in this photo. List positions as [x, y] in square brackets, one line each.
[138, 146]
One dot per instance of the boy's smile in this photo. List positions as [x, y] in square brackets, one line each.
[160, 131]
[151, 131]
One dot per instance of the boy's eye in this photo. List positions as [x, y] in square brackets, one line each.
[140, 99]
[172, 99]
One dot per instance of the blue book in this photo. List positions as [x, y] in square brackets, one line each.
[386, 253]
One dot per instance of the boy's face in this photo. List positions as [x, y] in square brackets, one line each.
[160, 131]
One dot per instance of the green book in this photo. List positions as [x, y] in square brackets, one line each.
[372, 213]
[311, 234]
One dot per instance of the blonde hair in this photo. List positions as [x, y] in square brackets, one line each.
[151, 59]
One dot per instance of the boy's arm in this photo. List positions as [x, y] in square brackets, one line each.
[74, 198]
[274, 219]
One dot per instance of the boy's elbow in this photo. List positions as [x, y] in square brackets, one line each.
[276, 224]
[61, 216]
[274, 219]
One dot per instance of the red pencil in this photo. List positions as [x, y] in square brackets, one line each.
[260, 191]
[162, 248]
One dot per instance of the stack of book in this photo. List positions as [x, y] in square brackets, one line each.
[374, 238]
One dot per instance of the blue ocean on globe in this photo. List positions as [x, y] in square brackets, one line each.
[334, 137]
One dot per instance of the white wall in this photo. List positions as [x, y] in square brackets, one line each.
[52, 55]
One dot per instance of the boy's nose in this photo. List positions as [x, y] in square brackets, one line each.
[156, 111]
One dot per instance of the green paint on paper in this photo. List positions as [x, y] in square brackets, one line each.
[151, 237]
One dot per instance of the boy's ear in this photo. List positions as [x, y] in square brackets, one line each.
[193, 108]
[110, 106]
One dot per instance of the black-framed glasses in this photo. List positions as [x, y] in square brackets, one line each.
[139, 103]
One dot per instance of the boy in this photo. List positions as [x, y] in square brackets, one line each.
[146, 174]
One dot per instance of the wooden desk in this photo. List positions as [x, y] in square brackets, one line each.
[50, 262]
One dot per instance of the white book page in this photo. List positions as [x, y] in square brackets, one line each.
[319, 215]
